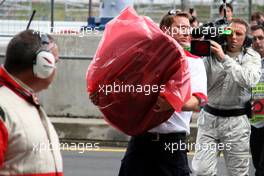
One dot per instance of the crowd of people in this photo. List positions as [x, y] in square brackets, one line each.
[221, 91]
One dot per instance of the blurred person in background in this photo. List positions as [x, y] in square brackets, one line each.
[194, 22]
[257, 126]
[192, 12]
[257, 18]
[229, 11]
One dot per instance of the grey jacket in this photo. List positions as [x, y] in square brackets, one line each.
[229, 82]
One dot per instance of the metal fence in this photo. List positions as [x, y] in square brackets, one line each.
[78, 10]
[72, 14]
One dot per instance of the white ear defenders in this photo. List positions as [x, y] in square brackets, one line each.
[44, 63]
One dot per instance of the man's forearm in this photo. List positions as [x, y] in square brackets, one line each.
[193, 104]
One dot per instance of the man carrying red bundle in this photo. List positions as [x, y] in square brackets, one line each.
[158, 152]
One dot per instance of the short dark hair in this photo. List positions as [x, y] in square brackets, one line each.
[227, 5]
[193, 19]
[191, 11]
[257, 27]
[21, 51]
[168, 18]
[257, 16]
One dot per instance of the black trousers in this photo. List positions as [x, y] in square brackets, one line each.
[257, 149]
[147, 156]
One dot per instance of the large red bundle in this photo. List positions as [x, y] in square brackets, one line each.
[134, 56]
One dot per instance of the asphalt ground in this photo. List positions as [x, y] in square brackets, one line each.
[106, 162]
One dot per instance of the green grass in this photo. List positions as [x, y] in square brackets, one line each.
[259, 8]
[157, 11]
[203, 13]
[43, 11]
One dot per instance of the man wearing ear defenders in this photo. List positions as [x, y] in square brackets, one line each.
[223, 123]
[29, 144]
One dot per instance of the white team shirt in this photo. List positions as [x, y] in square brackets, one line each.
[180, 121]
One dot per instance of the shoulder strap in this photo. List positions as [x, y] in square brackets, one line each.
[2, 114]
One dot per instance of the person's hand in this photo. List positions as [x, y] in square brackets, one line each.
[217, 50]
[162, 105]
[94, 98]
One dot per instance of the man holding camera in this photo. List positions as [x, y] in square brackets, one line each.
[223, 124]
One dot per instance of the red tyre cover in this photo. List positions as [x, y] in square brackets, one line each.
[135, 52]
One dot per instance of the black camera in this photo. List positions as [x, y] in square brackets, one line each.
[216, 31]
